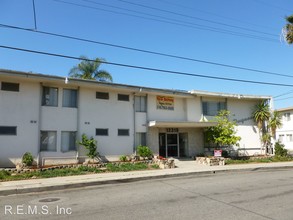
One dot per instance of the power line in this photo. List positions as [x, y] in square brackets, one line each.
[276, 100]
[283, 94]
[149, 68]
[181, 23]
[192, 17]
[214, 14]
[148, 51]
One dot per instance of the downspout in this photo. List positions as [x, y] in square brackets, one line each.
[39, 126]
[78, 122]
[134, 123]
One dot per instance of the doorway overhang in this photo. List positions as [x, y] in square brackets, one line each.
[180, 124]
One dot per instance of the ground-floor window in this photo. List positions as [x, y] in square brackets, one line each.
[68, 141]
[48, 140]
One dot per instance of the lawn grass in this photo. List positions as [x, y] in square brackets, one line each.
[246, 160]
[123, 167]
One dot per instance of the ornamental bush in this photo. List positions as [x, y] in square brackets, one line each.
[90, 144]
[280, 150]
[144, 151]
[27, 159]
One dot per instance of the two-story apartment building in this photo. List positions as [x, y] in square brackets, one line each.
[285, 134]
[46, 115]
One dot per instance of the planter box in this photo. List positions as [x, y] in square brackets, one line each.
[211, 161]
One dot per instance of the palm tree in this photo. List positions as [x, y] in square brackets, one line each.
[89, 69]
[287, 31]
[261, 114]
[275, 122]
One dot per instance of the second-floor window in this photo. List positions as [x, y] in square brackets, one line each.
[212, 108]
[140, 103]
[69, 98]
[287, 116]
[50, 96]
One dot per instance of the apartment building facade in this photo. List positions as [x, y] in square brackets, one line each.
[46, 115]
[285, 134]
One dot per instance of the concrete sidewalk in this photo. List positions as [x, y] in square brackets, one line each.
[183, 168]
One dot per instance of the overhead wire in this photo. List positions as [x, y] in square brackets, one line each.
[213, 14]
[191, 16]
[181, 23]
[147, 51]
[149, 68]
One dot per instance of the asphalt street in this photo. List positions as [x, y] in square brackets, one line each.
[253, 195]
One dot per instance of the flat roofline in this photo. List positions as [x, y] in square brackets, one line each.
[228, 95]
[138, 89]
[285, 109]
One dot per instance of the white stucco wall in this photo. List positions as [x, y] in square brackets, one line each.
[194, 109]
[241, 111]
[19, 109]
[286, 130]
[107, 114]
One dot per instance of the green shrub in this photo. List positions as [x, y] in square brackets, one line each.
[4, 174]
[126, 167]
[90, 145]
[144, 151]
[123, 158]
[280, 151]
[28, 159]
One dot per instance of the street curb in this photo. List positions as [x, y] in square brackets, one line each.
[18, 191]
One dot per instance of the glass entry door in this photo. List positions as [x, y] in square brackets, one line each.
[172, 145]
[169, 144]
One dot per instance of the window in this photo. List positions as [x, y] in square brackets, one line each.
[140, 139]
[123, 132]
[212, 108]
[140, 103]
[7, 130]
[102, 132]
[287, 117]
[281, 138]
[48, 140]
[289, 138]
[69, 98]
[102, 95]
[122, 97]
[50, 96]
[13, 87]
[68, 141]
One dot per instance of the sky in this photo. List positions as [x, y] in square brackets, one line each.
[242, 33]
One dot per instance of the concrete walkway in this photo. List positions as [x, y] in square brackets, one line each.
[184, 167]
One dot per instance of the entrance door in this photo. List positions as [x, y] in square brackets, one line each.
[172, 145]
[169, 144]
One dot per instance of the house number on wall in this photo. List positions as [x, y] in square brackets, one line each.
[172, 129]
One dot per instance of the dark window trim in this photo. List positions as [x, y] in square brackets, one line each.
[123, 132]
[43, 96]
[8, 86]
[123, 97]
[102, 95]
[8, 130]
[104, 132]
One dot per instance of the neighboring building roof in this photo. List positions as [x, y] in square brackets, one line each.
[133, 88]
[285, 109]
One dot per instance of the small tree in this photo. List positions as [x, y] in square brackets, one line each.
[144, 151]
[90, 145]
[224, 133]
